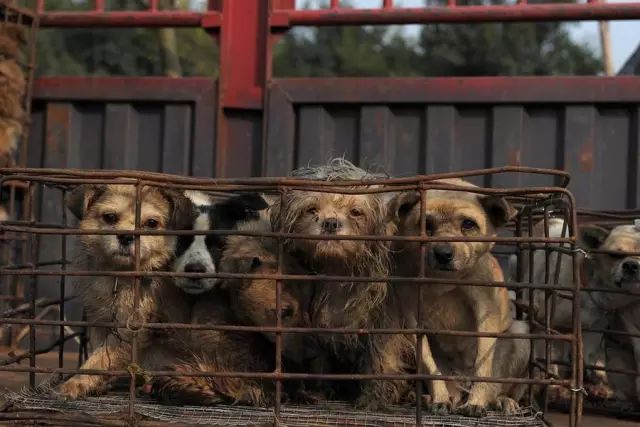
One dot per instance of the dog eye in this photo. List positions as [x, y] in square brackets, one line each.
[356, 212]
[110, 218]
[255, 263]
[312, 211]
[151, 223]
[286, 312]
[469, 224]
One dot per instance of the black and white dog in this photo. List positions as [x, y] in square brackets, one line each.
[202, 253]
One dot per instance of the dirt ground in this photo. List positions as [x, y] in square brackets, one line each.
[16, 381]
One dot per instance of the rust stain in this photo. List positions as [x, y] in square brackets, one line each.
[585, 157]
[514, 157]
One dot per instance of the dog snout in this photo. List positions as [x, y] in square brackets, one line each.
[126, 239]
[331, 225]
[630, 268]
[443, 253]
[195, 267]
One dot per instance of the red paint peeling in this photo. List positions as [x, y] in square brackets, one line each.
[585, 158]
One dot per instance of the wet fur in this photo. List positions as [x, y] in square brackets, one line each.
[348, 304]
[453, 307]
[106, 301]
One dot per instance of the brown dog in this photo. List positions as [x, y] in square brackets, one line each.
[108, 299]
[248, 302]
[483, 309]
[346, 304]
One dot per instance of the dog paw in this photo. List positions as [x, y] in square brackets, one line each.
[470, 410]
[505, 405]
[439, 408]
[76, 388]
[599, 391]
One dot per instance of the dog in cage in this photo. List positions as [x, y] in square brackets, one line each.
[616, 267]
[346, 304]
[248, 302]
[202, 253]
[12, 36]
[593, 307]
[111, 299]
[455, 214]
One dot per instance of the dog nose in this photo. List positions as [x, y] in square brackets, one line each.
[630, 268]
[330, 225]
[195, 267]
[443, 253]
[126, 239]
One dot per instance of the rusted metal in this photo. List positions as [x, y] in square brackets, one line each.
[453, 13]
[532, 197]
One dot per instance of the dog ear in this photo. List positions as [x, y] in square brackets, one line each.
[183, 212]
[592, 236]
[402, 204]
[233, 210]
[81, 198]
[498, 209]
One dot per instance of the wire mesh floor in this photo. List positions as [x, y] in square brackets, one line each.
[329, 414]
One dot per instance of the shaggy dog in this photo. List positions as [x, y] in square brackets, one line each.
[345, 304]
[109, 299]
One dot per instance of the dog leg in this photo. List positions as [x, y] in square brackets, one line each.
[598, 386]
[481, 393]
[103, 358]
[633, 327]
[440, 399]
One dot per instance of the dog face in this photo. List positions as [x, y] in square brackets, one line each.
[449, 214]
[614, 270]
[255, 298]
[112, 207]
[202, 253]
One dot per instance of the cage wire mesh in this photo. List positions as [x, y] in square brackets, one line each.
[58, 344]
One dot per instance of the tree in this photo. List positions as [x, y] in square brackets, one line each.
[440, 50]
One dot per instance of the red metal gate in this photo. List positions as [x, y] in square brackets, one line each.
[249, 124]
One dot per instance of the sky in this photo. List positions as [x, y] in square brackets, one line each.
[625, 35]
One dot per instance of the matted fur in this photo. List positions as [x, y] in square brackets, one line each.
[111, 300]
[10, 132]
[347, 304]
[13, 86]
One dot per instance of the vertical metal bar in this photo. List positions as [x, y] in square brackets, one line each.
[335, 4]
[63, 248]
[40, 6]
[153, 5]
[278, 367]
[531, 302]
[99, 5]
[136, 301]
[422, 272]
[33, 288]
[387, 4]
[519, 269]
[547, 306]
[576, 348]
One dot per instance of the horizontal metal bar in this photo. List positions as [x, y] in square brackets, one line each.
[54, 173]
[291, 277]
[291, 376]
[293, 330]
[460, 14]
[275, 234]
[453, 90]
[131, 19]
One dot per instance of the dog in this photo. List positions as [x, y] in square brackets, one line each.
[11, 110]
[248, 302]
[202, 253]
[12, 36]
[456, 214]
[108, 299]
[616, 271]
[345, 304]
[594, 306]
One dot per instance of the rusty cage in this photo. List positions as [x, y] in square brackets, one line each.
[248, 123]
